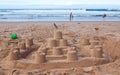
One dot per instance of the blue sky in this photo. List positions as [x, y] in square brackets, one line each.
[45, 3]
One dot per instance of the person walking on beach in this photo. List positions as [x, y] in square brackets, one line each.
[71, 16]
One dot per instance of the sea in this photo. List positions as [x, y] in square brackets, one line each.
[8, 15]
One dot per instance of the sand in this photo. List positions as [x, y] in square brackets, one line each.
[83, 48]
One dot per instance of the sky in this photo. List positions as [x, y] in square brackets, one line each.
[50, 3]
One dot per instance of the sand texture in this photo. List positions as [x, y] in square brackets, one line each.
[60, 48]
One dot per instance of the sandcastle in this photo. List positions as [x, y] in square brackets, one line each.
[58, 52]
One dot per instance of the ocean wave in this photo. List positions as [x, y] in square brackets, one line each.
[57, 13]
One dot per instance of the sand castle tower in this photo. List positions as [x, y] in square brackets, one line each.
[85, 41]
[52, 43]
[63, 42]
[94, 43]
[96, 52]
[57, 35]
[13, 55]
[72, 55]
[21, 45]
[57, 51]
[29, 42]
[40, 58]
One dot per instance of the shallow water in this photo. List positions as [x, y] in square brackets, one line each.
[58, 14]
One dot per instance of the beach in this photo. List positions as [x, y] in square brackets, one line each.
[107, 33]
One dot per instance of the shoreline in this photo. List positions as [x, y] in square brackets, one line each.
[51, 21]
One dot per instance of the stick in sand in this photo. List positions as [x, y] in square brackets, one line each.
[56, 27]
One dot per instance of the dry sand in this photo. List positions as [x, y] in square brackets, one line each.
[108, 33]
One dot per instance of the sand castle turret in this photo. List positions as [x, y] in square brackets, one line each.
[57, 51]
[13, 55]
[52, 43]
[40, 58]
[57, 35]
[63, 42]
[72, 56]
[96, 52]
[21, 45]
[85, 41]
[94, 43]
[29, 42]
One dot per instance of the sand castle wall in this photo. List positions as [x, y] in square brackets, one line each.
[57, 51]
[84, 62]
[57, 35]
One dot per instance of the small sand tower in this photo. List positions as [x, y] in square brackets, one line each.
[72, 56]
[21, 45]
[63, 42]
[29, 42]
[57, 51]
[52, 43]
[94, 43]
[85, 41]
[40, 58]
[13, 55]
[57, 35]
[96, 52]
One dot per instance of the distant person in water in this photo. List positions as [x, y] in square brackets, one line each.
[104, 15]
[71, 16]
